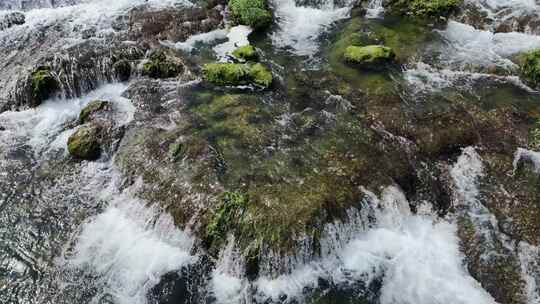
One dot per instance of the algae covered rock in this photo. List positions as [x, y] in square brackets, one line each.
[370, 55]
[92, 108]
[246, 53]
[253, 13]
[122, 70]
[233, 74]
[43, 85]
[425, 9]
[530, 67]
[162, 66]
[84, 143]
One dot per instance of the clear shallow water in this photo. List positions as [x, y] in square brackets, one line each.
[99, 244]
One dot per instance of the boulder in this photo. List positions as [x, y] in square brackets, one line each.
[371, 55]
[423, 9]
[43, 85]
[84, 143]
[246, 53]
[234, 74]
[91, 109]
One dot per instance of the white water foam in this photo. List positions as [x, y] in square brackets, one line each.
[238, 36]
[189, 44]
[416, 256]
[423, 78]
[90, 13]
[502, 10]
[300, 26]
[375, 9]
[129, 247]
[529, 257]
[469, 46]
[228, 284]
[527, 155]
[46, 126]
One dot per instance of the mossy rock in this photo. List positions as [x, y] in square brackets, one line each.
[234, 74]
[530, 67]
[246, 53]
[254, 13]
[161, 66]
[423, 9]
[92, 108]
[369, 56]
[84, 143]
[43, 85]
[122, 70]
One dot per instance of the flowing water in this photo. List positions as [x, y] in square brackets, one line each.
[79, 232]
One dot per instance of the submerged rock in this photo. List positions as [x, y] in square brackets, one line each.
[246, 53]
[11, 19]
[161, 65]
[530, 67]
[84, 143]
[234, 74]
[369, 56]
[428, 9]
[254, 13]
[43, 85]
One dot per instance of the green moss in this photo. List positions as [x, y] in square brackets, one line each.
[43, 85]
[160, 66]
[229, 213]
[253, 13]
[233, 74]
[223, 74]
[426, 9]
[246, 53]
[122, 70]
[260, 75]
[530, 67]
[93, 107]
[371, 55]
[84, 143]
[534, 137]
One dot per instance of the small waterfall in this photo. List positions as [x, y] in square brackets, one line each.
[375, 9]
[412, 255]
[301, 25]
[129, 247]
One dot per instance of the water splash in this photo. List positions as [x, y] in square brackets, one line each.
[129, 247]
[300, 26]
[412, 255]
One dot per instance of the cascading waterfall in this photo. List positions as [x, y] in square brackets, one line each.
[77, 231]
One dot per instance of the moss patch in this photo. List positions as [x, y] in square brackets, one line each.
[254, 13]
[161, 66]
[430, 9]
[234, 74]
[530, 67]
[43, 85]
[246, 53]
[92, 108]
[369, 56]
[84, 143]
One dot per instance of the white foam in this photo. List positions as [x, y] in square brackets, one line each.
[375, 9]
[524, 154]
[47, 123]
[469, 46]
[238, 36]
[208, 37]
[300, 26]
[129, 247]
[501, 10]
[529, 257]
[416, 256]
[90, 13]
[228, 284]
[423, 78]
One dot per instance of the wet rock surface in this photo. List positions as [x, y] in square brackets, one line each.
[143, 173]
